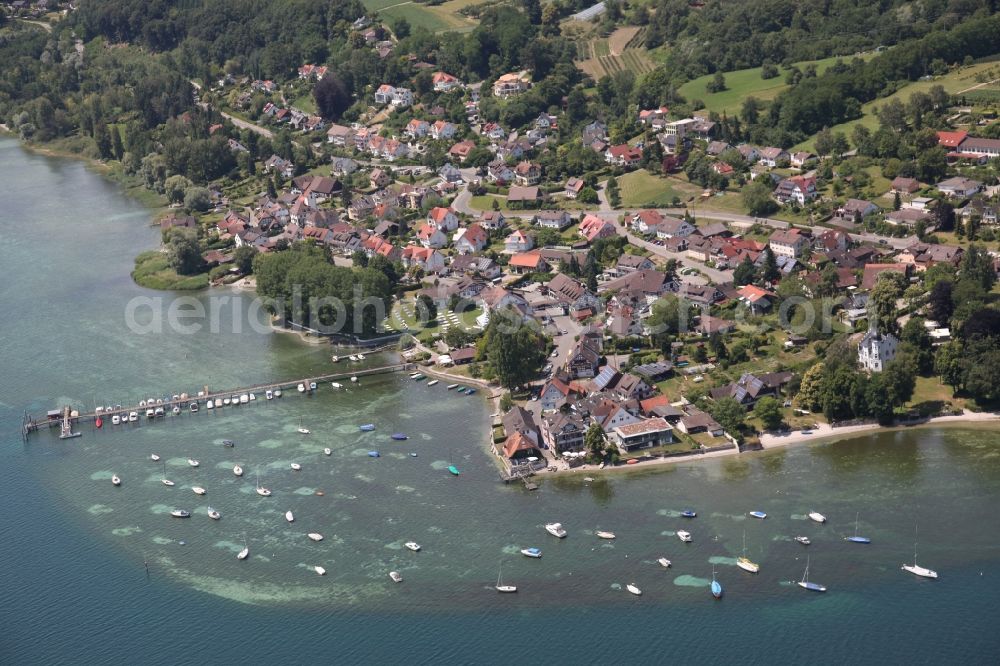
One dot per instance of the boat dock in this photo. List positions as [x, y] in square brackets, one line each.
[65, 417]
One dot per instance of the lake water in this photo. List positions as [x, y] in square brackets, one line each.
[76, 589]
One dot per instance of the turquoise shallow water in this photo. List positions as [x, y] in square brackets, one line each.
[75, 589]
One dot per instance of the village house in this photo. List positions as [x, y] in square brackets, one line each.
[416, 128]
[443, 82]
[979, 208]
[672, 227]
[570, 293]
[959, 187]
[279, 166]
[518, 241]
[788, 243]
[492, 220]
[646, 434]
[524, 197]
[797, 189]
[876, 350]
[426, 258]
[498, 172]
[474, 266]
[527, 173]
[430, 235]
[593, 228]
[802, 159]
[442, 129]
[339, 135]
[924, 255]
[750, 388]
[444, 219]
[563, 432]
[855, 210]
[908, 217]
[554, 394]
[771, 157]
[750, 154]
[695, 421]
[527, 262]
[460, 151]
[471, 239]
[901, 185]
[553, 219]
[647, 116]
[716, 148]
[573, 188]
[756, 299]
[450, 174]
[871, 272]
[624, 156]
[390, 95]
[511, 84]
[629, 263]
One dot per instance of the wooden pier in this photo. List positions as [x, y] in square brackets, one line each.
[63, 419]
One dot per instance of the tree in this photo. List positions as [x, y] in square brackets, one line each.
[514, 351]
[184, 251]
[243, 258]
[769, 271]
[939, 303]
[401, 28]
[332, 97]
[506, 402]
[175, 187]
[745, 272]
[896, 201]
[730, 414]
[768, 410]
[103, 140]
[882, 301]
[717, 84]
[757, 198]
[117, 149]
[810, 395]
[359, 259]
[594, 440]
[877, 400]
[949, 364]
[426, 308]
[197, 198]
[669, 317]
[587, 195]
[977, 267]
[899, 380]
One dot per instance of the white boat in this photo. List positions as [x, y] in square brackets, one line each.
[918, 570]
[806, 585]
[327, 451]
[605, 535]
[244, 399]
[301, 388]
[336, 385]
[242, 555]
[396, 577]
[150, 413]
[115, 420]
[193, 407]
[289, 516]
[412, 545]
[744, 562]
[312, 386]
[237, 470]
[415, 375]
[297, 467]
[198, 490]
[804, 540]
[304, 431]
[133, 417]
[817, 517]
[158, 411]
[633, 589]
[167, 482]
[193, 462]
[142, 403]
[315, 536]
[432, 382]
[361, 357]
[277, 393]
[353, 357]
[500, 587]
[335, 359]
[664, 562]
[180, 513]
[320, 570]
[556, 530]
[253, 396]
[269, 394]
[684, 536]
[176, 410]
[225, 401]
[115, 481]
[213, 514]
[209, 405]
[354, 380]
[154, 457]
[263, 492]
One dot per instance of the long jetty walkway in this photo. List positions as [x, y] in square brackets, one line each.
[65, 417]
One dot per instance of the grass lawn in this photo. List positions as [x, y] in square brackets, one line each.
[727, 201]
[745, 83]
[153, 271]
[436, 19]
[485, 202]
[953, 82]
[305, 103]
[930, 392]
[641, 188]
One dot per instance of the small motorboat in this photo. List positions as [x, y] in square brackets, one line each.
[758, 514]
[150, 413]
[154, 457]
[301, 388]
[229, 443]
[115, 481]
[354, 380]
[226, 401]
[320, 570]
[327, 451]
[454, 470]
[367, 427]
[688, 513]
[193, 462]
[413, 455]
[413, 545]
[396, 577]
[303, 431]
[234, 400]
[133, 417]
[452, 386]
[175, 410]
[335, 358]
[244, 399]
[219, 402]
[432, 382]
[193, 407]
[209, 404]
[470, 391]
[399, 436]
[158, 412]
[115, 420]
[312, 386]
[416, 376]
[315, 536]
[277, 393]
[237, 470]
[198, 490]
[289, 516]
[213, 514]
[684, 536]
[804, 540]
[263, 492]
[180, 513]
[556, 530]
[253, 396]
[605, 535]
[664, 562]
[531, 552]
[269, 394]
[353, 357]
[336, 385]
[142, 403]
[817, 517]
[167, 482]
[373, 454]
[296, 466]
[631, 587]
